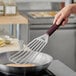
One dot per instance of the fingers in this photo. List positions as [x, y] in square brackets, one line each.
[63, 14]
[56, 17]
[66, 20]
[59, 17]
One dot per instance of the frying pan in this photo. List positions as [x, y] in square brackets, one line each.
[42, 61]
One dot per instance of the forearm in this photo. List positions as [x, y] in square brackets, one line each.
[73, 8]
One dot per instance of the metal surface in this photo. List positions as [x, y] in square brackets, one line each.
[18, 31]
[42, 61]
[15, 30]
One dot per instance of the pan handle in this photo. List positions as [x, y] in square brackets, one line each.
[53, 28]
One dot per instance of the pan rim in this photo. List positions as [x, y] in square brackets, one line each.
[49, 56]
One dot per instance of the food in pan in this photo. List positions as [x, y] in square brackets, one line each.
[21, 65]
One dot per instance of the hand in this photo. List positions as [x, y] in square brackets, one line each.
[63, 14]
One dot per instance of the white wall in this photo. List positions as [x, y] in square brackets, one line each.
[34, 5]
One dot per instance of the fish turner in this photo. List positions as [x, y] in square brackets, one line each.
[36, 46]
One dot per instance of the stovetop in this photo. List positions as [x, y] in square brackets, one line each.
[41, 73]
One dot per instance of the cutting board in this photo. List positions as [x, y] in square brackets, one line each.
[13, 46]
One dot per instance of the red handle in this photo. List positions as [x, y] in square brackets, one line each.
[53, 28]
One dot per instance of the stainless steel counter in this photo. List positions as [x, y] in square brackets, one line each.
[60, 69]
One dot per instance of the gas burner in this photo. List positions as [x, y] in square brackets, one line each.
[41, 73]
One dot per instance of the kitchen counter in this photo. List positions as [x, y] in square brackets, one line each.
[15, 19]
[60, 69]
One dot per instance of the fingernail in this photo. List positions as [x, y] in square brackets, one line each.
[57, 23]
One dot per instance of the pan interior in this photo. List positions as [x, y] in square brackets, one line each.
[40, 59]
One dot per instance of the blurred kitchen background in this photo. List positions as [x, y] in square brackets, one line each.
[62, 44]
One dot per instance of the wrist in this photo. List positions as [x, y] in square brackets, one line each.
[72, 8]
